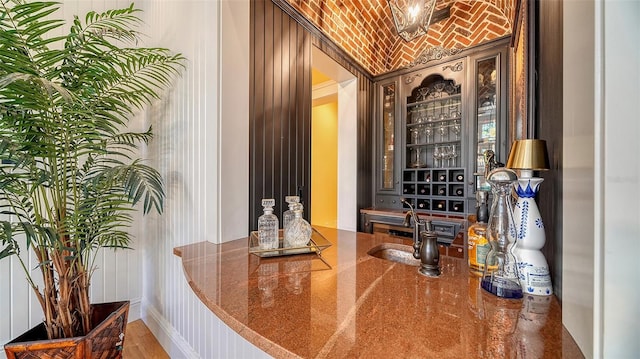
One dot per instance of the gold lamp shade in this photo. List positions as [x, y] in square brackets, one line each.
[529, 155]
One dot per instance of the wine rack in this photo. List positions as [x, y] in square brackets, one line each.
[437, 190]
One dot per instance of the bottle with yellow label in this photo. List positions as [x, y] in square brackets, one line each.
[478, 244]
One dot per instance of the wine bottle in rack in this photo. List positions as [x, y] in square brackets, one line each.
[410, 189]
[457, 207]
[459, 177]
[459, 192]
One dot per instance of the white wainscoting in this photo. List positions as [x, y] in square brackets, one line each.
[201, 147]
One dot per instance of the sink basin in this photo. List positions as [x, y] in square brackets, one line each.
[399, 253]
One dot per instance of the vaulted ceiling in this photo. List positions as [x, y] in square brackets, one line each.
[365, 29]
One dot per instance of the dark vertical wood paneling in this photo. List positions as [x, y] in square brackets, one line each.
[293, 97]
[365, 143]
[287, 119]
[549, 127]
[279, 175]
[280, 114]
[256, 111]
[281, 111]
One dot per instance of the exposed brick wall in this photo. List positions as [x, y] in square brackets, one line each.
[365, 29]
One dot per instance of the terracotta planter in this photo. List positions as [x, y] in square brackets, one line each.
[106, 340]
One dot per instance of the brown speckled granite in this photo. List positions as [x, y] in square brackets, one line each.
[367, 307]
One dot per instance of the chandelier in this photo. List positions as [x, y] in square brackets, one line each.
[412, 17]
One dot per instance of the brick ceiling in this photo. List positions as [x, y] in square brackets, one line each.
[365, 29]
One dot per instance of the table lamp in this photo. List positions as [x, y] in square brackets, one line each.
[528, 156]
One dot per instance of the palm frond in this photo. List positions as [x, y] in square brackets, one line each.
[7, 240]
[115, 24]
[24, 24]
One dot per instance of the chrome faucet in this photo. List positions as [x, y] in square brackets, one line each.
[425, 242]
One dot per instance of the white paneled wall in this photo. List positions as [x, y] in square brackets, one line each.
[202, 149]
[205, 173]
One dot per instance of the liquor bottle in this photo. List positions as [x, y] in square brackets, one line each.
[501, 275]
[477, 235]
[268, 226]
[289, 214]
[298, 233]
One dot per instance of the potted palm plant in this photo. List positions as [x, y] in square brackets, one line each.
[69, 173]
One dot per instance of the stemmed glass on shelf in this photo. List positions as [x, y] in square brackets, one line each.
[446, 154]
[415, 135]
[419, 157]
[442, 130]
[452, 154]
[437, 157]
[428, 131]
[456, 128]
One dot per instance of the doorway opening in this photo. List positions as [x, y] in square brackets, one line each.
[333, 144]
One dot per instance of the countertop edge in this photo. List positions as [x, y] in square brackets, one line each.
[244, 331]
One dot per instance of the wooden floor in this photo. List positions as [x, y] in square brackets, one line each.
[139, 343]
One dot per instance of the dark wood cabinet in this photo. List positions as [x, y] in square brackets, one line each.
[433, 126]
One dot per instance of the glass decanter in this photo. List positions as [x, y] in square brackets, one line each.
[298, 233]
[289, 214]
[268, 226]
[500, 275]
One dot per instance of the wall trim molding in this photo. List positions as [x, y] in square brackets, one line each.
[168, 337]
[135, 306]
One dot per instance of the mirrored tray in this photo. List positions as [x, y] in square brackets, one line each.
[316, 245]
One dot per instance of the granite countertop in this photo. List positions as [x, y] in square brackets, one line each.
[297, 306]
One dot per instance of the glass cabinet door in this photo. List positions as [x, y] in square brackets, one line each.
[388, 128]
[487, 113]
